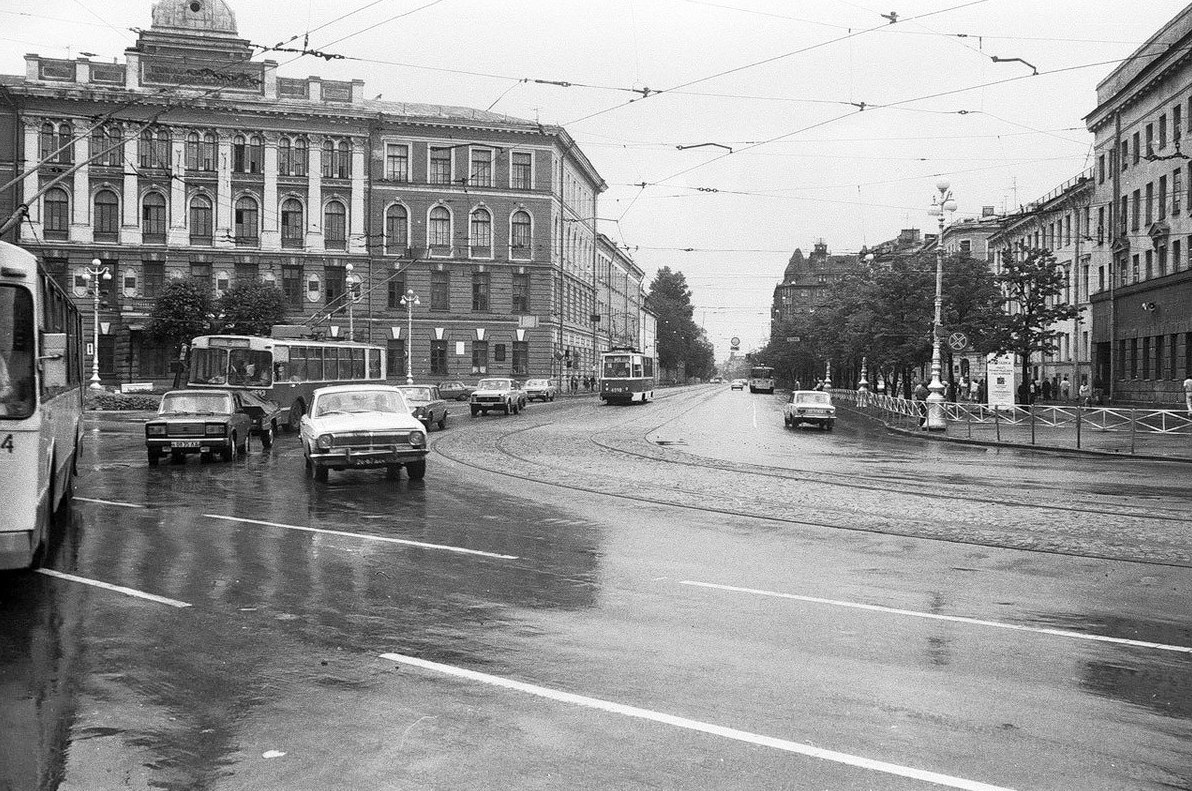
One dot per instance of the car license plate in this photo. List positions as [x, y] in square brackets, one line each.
[375, 462]
[185, 443]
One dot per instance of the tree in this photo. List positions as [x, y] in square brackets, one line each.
[680, 339]
[252, 308]
[1033, 285]
[180, 313]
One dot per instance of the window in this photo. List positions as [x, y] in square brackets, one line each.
[438, 231]
[521, 293]
[292, 232]
[1150, 140]
[200, 220]
[1100, 225]
[438, 358]
[966, 246]
[106, 147]
[247, 272]
[439, 171]
[107, 216]
[200, 273]
[521, 173]
[299, 159]
[328, 159]
[440, 290]
[521, 358]
[1162, 132]
[291, 157]
[155, 278]
[55, 137]
[291, 285]
[337, 279]
[256, 155]
[1175, 255]
[395, 289]
[153, 149]
[480, 236]
[285, 154]
[247, 221]
[479, 357]
[480, 289]
[1137, 197]
[1146, 358]
[48, 143]
[396, 352]
[1161, 260]
[343, 163]
[1176, 190]
[397, 229]
[1150, 202]
[1101, 169]
[519, 236]
[1125, 152]
[1162, 205]
[499, 352]
[239, 154]
[335, 226]
[482, 167]
[397, 162]
[56, 213]
[153, 218]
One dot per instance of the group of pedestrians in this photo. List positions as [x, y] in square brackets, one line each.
[588, 383]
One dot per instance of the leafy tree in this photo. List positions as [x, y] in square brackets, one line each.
[180, 313]
[680, 340]
[252, 308]
[1032, 284]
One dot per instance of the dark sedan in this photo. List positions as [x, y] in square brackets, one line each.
[198, 421]
[455, 390]
[426, 404]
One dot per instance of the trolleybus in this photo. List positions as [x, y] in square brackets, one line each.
[283, 370]
[626, 376]
[761, 379]
[41, 405]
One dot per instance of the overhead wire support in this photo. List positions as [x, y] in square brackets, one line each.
[701, 145]
[996, 59]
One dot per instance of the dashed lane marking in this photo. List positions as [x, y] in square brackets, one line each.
[364, 537]
[696, 725]
[110, 502]
[955, 618]
[754, 405]
[115, 588]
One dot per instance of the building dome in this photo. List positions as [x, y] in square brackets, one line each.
[194, 16]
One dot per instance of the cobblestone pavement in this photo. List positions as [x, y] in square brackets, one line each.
[694, 449]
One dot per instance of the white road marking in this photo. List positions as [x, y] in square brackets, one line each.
[116, 588]
[110, 502]
[363, 537]
[956, 618]
[696, 725]
[754, 406]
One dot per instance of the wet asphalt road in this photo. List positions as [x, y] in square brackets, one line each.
[680, 595]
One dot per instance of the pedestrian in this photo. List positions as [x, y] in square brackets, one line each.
[819, 385]
[921, 393]
[587, 384]
[1033, 392]
[574, 384]
[1188, 393]
[798, 385]
[1046, 389]
[981, 391]
[1085, 392]
[1065, 389]
[1024, 393]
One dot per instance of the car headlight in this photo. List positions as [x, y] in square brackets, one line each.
[323, 442]
[215, 429]
[417, 439]
[155, 431]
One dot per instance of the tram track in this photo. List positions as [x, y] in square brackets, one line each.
[581, 481]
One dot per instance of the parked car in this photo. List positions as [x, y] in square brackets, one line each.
[809, 406]
[425, 404]
[266, 416]
[362, 426]
[455, 390]
[198, 421]
[545, 389]
[500, 394]
[738, 384]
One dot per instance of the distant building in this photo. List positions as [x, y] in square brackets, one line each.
[907, 243]
[1141, 320]
[970, 235]
[805, 283]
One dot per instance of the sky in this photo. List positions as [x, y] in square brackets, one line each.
[828, 120]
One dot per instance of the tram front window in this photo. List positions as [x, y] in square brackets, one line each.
[617, 367]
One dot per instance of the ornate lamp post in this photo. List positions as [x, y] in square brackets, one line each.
[935, 402]
[93, 274]
[410, 299]
[351, 281]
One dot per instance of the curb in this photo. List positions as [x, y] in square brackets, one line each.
[1104, 454]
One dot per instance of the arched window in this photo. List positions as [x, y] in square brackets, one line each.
[343, 168]
[292, 229]
[201, 227]
[153, 218]
[256, 155]
[49, 140]
[66, 143]
[145, 149]
[335, 226]
[106, 222]
[519, 236]
[328, 159]
[247, 220]
[283, 156]
[207, 152]
[161, 150]
[299, 158]
[56, 214]
[192, 151]
[480, 234]
[106, 150]
[239, 154]
[438, 231]
[397, 224]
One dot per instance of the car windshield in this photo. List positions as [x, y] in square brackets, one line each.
[812, 398]
[359, 401]
[494, 384]
[195, 404]
[416, 393]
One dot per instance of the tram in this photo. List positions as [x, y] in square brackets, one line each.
[626, 376]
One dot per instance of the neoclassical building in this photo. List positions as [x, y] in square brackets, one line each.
[191, 159]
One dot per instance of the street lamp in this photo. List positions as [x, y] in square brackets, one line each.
[92, 275]
[410, 299]
[935, 401]
[351, 281]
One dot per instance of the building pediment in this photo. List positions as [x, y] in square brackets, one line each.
[1158, 232]
[1120, 245]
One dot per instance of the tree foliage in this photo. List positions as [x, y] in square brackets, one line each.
[251, 308]
[1033, 285]
[180, 313]
[680, 340]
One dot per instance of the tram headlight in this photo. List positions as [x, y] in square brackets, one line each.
[323, 442]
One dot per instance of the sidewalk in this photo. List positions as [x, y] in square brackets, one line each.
[1092, 440]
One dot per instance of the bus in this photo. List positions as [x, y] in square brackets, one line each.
[41, 405]
[761, 379]
[626, 376]
[283, 370]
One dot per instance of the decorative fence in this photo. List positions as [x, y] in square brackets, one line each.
[1109, 427]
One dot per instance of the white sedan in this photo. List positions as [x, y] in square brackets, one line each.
[809, 406]
[362, 426]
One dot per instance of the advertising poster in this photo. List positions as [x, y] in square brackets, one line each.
[1000, 381]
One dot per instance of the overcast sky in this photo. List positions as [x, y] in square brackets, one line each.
[780, 82]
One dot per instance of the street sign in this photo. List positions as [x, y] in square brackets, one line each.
[734, 341]
[958, 341]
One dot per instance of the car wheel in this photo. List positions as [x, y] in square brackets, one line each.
[829, 426]
[474, 411]
[267, 436]
[443, 421]
[153, 457]
[416, 469]
[229, 453]
[321, 474]
[507, 409]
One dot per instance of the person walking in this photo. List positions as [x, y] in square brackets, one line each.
[1085, 392]
[1188, 393]
[1046, 388]
[1065, 388]
[921, 393]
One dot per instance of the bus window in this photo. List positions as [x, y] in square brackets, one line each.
[16, 352]
[345, 363]
[248, 367]
[374, 364]
[298, 372]
[209, 366]
[357, 363]
[648, 365]
[314, 363]
[637, 369]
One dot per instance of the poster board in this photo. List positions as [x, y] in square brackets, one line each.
[1000, 384]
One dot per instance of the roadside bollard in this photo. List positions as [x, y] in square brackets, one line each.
[1133, 431]
[1032, 426]
[997, 423]
[1078, 413]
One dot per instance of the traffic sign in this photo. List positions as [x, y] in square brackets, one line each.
[734, 341]
[958, 341]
